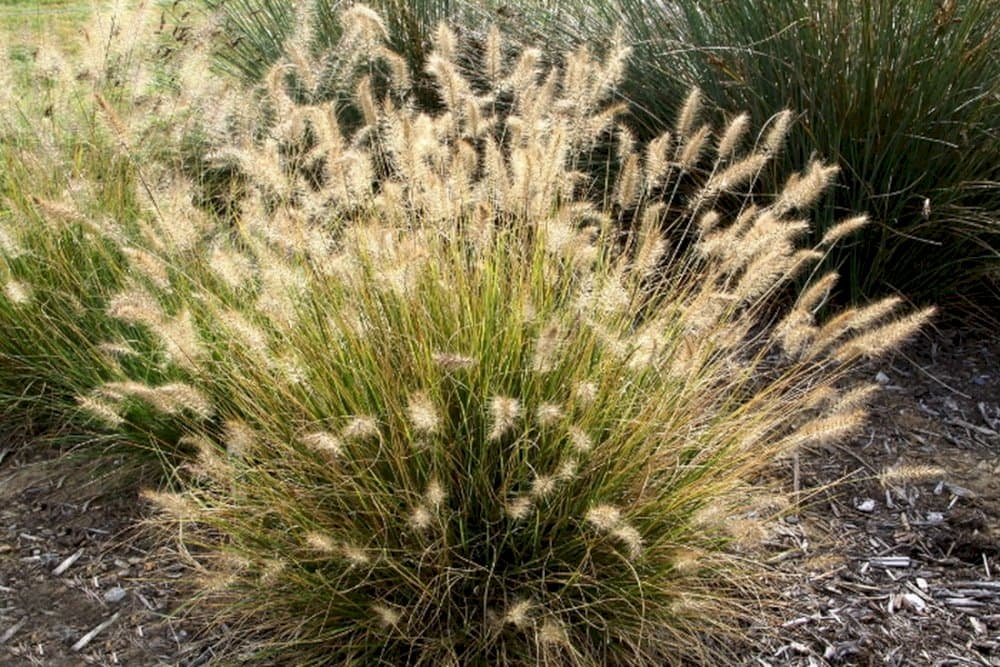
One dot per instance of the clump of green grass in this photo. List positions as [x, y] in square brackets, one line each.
[449, 406]
[86, 138]
[905, 97]
[257, 33]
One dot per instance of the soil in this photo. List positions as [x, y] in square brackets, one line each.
[877, 569]
[81, 583]
[885, 571]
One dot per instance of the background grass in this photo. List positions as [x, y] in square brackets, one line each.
[905, 97]
[42, 23]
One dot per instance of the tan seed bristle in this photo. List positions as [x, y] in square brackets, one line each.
[817, 293]
[176, 505]
[9, 247]
[547, 348]
[630, 537]
[504, 412]
[422, 413]
[844, 228]
[387, 616]
[421, 517]
[553, 631]
[434, 494]
[17, 292]
[542, 486]
[176, 396]
[738, 174]
[856, 398]
[568, 470]
[549, 414]
[732, 135]
[181, 340]
[356, 556]
[361, 428]
[580, 440]
[519, 508]
[604, 517]
[911, 473]
[453, 362]
[232, 267]
[657, 162]
[102, 410]
[824, 430]
[691, 151]
[776, 135]
[116, 350]
[320, 542]
[271, 571]
[585, 393]
[519, 614]
[324, 442]
[885, 337]
[801, 192]
[708, 222]
[240, 438]
[689, 114]
[136, 308]
[365, 21]
[148, 265]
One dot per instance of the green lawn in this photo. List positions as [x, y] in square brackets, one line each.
[40, 22]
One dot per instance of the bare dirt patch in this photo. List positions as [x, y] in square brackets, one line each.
[80, 584]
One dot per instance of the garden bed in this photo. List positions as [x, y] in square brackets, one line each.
[893, 572]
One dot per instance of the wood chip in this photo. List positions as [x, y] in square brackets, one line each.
[65, 565]
[891, 561]
[12, 630]
[87, 638]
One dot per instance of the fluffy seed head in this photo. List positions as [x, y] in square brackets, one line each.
[692, 148]
[604, 517]
[630, 537]
[240, 438]
[689, 114]
[176, 505]
[542, 486]
[775, 137]
[320, 542]
[911, 473]
[421, 517]
[101, 410]
[580, 440]
[567, 470]
[553, 631]
[585, 393]
[361, 428]
[844, 228]
[886, 337]
[422, 414]
[504, 412]
[518, 614]
[324, 442]
[386, 616]
[519, 508]
[548, 414]
[18, 293]
[434, 495]
[136, 307]
[453, 362]
[354, 555]
[730, 139]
